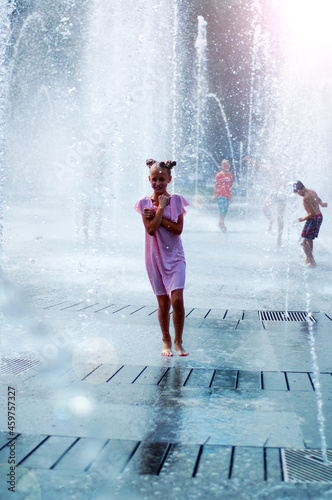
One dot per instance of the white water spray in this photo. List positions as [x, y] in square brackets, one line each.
[5, 10]
[315, 368]
[228, 132]
[202, 89]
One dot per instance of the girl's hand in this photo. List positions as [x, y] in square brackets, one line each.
[148, 213]
[163, 200]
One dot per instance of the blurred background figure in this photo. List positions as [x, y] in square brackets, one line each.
[277, 197]
[223, 191]
[92, 193]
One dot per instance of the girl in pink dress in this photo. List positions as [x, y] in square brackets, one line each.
[162, 216]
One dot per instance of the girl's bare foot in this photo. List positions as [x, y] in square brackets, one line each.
[166, 350]
[179, 349]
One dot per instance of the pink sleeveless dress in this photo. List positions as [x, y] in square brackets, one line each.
[164, 255]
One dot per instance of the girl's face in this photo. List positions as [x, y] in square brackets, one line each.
[159, 179]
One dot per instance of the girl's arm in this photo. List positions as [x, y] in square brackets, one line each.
[152, 222]
[151, 225]
[173, 227]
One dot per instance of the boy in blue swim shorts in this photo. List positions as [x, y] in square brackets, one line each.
[313, 220]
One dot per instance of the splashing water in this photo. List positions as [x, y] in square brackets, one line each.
[5, 10]
[223, 114]
[202, 87]
[315, 368]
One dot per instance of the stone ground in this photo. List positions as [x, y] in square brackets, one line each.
[100, 414]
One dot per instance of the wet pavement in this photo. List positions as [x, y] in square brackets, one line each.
[100, 414]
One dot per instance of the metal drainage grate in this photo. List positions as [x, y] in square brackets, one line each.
[16, 366]
[306, 466]
[285, 316]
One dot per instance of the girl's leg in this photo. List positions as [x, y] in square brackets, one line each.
[163, 316]
[178, 320]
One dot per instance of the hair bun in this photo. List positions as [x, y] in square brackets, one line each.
[170, 164]
[163, 164]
